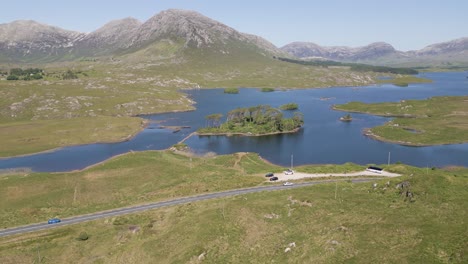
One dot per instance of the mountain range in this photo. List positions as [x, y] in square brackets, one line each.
[30, 41]
[451, 52]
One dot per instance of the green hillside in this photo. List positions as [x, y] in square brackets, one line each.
[329, 223]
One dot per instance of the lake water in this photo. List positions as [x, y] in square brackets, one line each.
[323, 138]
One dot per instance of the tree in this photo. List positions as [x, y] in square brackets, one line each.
[16, 71]
[12, 78]
[69, 75]
[298, 118]
[213, 120]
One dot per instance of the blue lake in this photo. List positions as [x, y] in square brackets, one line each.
[323, 139]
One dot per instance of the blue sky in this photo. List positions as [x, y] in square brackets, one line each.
[407, 25]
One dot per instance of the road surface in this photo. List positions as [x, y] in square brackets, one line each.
[141, 208]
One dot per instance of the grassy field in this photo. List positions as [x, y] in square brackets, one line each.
[329, 223]
[125, 180]
[438, 120]
[130, 179]
[22, 137]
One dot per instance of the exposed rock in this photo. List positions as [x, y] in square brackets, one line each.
[271, 216]
[201, 257]
[403, 185]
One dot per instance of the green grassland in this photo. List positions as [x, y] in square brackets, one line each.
[124, 180]
[437, 120]
[328, 223]
[130, 179]
[19, 138]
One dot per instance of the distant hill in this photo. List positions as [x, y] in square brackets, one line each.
[447, 53]
[30, 41]
[339, 53]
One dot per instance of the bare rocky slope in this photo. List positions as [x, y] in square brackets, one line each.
[32, 41]
[113, 36]
[24, 40]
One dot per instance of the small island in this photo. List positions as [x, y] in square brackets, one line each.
[289, 106]
[252, 121]
[346, 118]
[231, 90]
[267, 90]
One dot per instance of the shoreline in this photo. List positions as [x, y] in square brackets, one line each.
[382, 115]
[144, 124]
[248, 134]
[368, 133]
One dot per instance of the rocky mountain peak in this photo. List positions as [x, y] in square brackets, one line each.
[196, 29]
[24, 39]
[457, 45]
[29, 30]
[116, 26]
[381, 46]
[117, 34]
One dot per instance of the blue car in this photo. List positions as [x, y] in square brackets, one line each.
[54, 221]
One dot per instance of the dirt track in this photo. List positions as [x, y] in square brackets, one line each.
[301, 175]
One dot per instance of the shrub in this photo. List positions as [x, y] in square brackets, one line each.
[69, 75]
[12, 78]
[83, 236]
[290, 106]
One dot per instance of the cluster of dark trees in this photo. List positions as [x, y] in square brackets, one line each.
[257, 120]
[68, 75]
[26, 74]
[353, 66]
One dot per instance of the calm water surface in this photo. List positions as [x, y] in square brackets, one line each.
[323, 139]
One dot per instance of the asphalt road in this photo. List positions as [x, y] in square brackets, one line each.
[141, 208]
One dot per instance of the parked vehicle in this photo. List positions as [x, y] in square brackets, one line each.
[374, 169]
[288, 172]
[270, 174]
[288, 183]
[54, 221]
[274, 178]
